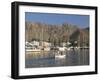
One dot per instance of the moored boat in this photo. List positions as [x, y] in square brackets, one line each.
[60, 55]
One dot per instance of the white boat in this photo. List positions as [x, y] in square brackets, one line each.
[33, 50]
[60, 55]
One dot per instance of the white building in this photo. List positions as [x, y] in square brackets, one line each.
[45, 44]
[47, 49]
[61, 48]
[65, 44]
[33, 46]
[35, 43]
[27, 44]
[68, 43]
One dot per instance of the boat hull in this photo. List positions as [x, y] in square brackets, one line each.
[60, 56]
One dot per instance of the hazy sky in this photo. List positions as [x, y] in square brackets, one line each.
[48, 18]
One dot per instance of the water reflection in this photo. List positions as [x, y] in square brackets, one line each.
[49, 59]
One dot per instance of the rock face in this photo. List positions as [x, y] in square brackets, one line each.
[81, 36]
[56, 34]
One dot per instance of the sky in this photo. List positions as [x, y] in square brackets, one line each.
[57, 19]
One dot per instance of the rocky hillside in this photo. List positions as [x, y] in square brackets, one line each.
[56, 34]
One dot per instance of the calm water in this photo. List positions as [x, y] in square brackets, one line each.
[48, 59]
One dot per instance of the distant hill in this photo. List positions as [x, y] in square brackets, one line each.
[56, 34]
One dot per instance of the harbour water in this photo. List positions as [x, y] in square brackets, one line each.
[48, 59]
